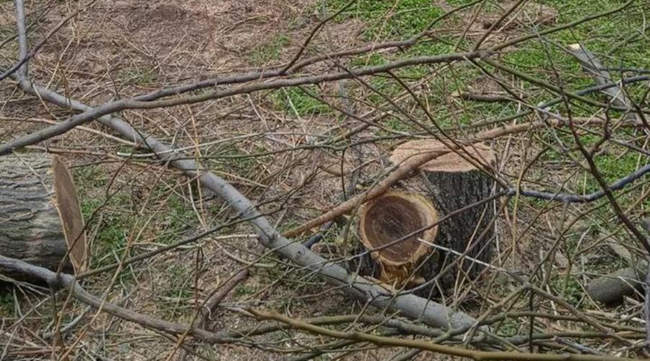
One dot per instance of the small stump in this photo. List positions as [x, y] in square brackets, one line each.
[40, 218]
[398, 229]
[453, 182]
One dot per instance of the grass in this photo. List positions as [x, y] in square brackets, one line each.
[174, 217]
[546, 61]
[175, 296]
[113, 217]
[296, 101]
[233, 159]
[568, 288]
[390, 19]
[244, 290]
[142, 76]
[7, 306]
[269, 51]
[89, 178]
[612, 161]
[396, 124]
[509, 327]
[178, 217]
[112, 228]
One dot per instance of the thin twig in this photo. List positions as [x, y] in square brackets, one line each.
[428, 346]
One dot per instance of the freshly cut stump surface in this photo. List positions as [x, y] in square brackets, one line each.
[457, 183]
[40, 218]
[394, 226]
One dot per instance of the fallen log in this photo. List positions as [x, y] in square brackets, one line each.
[611, 288]
[40, 218]
[594, 67]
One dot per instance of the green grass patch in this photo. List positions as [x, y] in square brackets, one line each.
[568, 288]
[114, 220]
[143, 76]
[270, 50]
[175, 296]
[113, 229]
[372, 59]
[7, 307]
[430, 48]
[612, 161]
[178, 216]
[618, 41]
[390, 19]
[296, 101]
[508, 327]
[396, 124]
[89, 177]
[244, 290]
[229, 158]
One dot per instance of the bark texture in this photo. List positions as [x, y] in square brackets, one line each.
[469, 232]
[458, 185]
[39, 212]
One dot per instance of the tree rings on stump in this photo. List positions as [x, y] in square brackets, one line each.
[392, 226]
[458, 183]
[40, 218]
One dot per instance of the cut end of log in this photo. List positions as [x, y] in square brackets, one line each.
[574, 47]
[386, 219]
[451, 162]
[39, 212]
[67, 204]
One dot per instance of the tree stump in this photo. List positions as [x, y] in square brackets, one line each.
[392, 227]
[454, 182]
[40, 218]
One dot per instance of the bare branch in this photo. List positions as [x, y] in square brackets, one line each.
[21, 67]
[429, 312]
[428, 346]
[134, 103]
[62, 280]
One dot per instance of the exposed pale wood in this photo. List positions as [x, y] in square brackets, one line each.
[594, 67]
[385, 220]
[40, 217]
[455, 181]
[451, 162]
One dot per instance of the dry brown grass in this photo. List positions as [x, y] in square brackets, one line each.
[125, 48]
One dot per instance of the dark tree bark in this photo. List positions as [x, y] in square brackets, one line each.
[439, 219]
[40, 217]
[453, 182]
